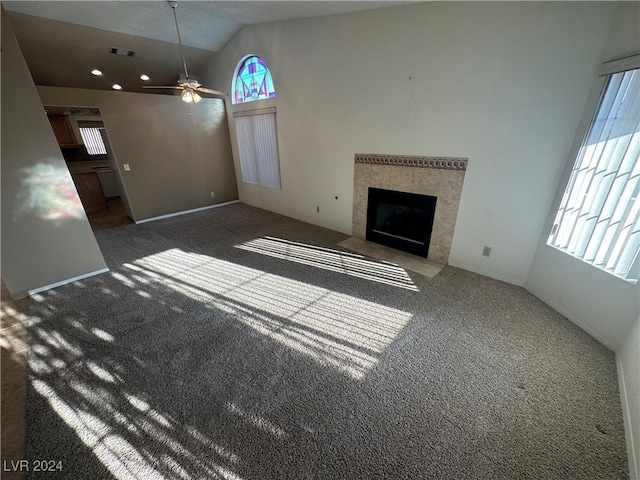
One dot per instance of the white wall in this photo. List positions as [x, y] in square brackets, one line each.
[601, 304]
[502, 83]
[46, 237]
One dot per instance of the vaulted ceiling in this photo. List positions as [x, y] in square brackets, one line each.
[63, 41]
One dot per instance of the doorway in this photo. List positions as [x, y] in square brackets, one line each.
[85, 146]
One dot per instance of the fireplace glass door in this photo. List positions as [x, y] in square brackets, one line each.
[400, 220]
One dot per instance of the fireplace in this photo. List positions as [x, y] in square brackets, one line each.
[440, 177]
[400, 220]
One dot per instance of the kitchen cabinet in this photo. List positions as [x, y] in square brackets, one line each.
[90, 191]
[63, 131]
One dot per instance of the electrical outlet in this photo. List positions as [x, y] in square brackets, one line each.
[213, 195]
[126, 167]
[486, 251]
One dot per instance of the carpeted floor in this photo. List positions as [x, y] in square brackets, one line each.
[242, 345]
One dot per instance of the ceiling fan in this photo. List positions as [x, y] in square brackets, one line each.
[189, 85]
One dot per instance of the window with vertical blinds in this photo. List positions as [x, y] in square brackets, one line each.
[258, 147]
[93, 141]
[599, 216]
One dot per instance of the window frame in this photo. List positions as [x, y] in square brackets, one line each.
[580, 152]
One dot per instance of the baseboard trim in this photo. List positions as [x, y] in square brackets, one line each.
[185, 212]
[634, 467]
[68, 280]
[501, 278]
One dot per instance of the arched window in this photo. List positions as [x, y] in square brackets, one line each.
[252, 81]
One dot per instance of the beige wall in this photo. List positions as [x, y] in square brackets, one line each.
[500, 83]
[178, 153]
[46, 237]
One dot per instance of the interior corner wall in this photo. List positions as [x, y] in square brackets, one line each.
[178, 153]
[501, 83]
[603, 305]
[46, 237]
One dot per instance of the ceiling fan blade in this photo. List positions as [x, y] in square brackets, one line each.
[162, 86]
[217, 93]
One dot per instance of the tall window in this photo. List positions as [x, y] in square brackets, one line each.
[258, 147]
[599, 217]
[252, 81]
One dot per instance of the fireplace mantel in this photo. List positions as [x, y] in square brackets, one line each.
[441, 177]
[444, 163]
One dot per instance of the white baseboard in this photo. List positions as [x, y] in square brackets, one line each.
[634, 466]
[68, 280]
[502, 278]
[185, 212]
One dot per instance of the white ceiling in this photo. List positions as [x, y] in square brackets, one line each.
[203, 24]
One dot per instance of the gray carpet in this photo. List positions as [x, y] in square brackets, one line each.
[242, 345]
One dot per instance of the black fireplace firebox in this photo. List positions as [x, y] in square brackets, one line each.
[400, 220]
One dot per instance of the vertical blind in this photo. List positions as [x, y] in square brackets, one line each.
[258, 147]
[93, 141]
[599, 217]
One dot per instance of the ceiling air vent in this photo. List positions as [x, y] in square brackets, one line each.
[122, 52]
[84, 111]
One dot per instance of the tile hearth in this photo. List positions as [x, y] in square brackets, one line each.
[407, 261]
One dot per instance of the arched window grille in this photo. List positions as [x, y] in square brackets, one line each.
[252, 81]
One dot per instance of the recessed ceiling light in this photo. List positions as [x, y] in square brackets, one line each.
[96, 72]
[144, 77]
[115, 86]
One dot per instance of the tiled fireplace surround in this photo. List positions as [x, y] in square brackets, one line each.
[441, 177]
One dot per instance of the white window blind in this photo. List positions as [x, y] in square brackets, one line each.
[599, 217]
[258, 147]
[92, 140]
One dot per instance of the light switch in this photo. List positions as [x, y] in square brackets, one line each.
[126, 167]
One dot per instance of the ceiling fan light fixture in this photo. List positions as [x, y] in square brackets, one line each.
[189, 85]
[187, 95]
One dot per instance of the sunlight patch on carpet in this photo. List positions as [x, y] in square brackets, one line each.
[256, 420]
[333, 260]
[115, 453]
[333, 328]
[96, 419]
